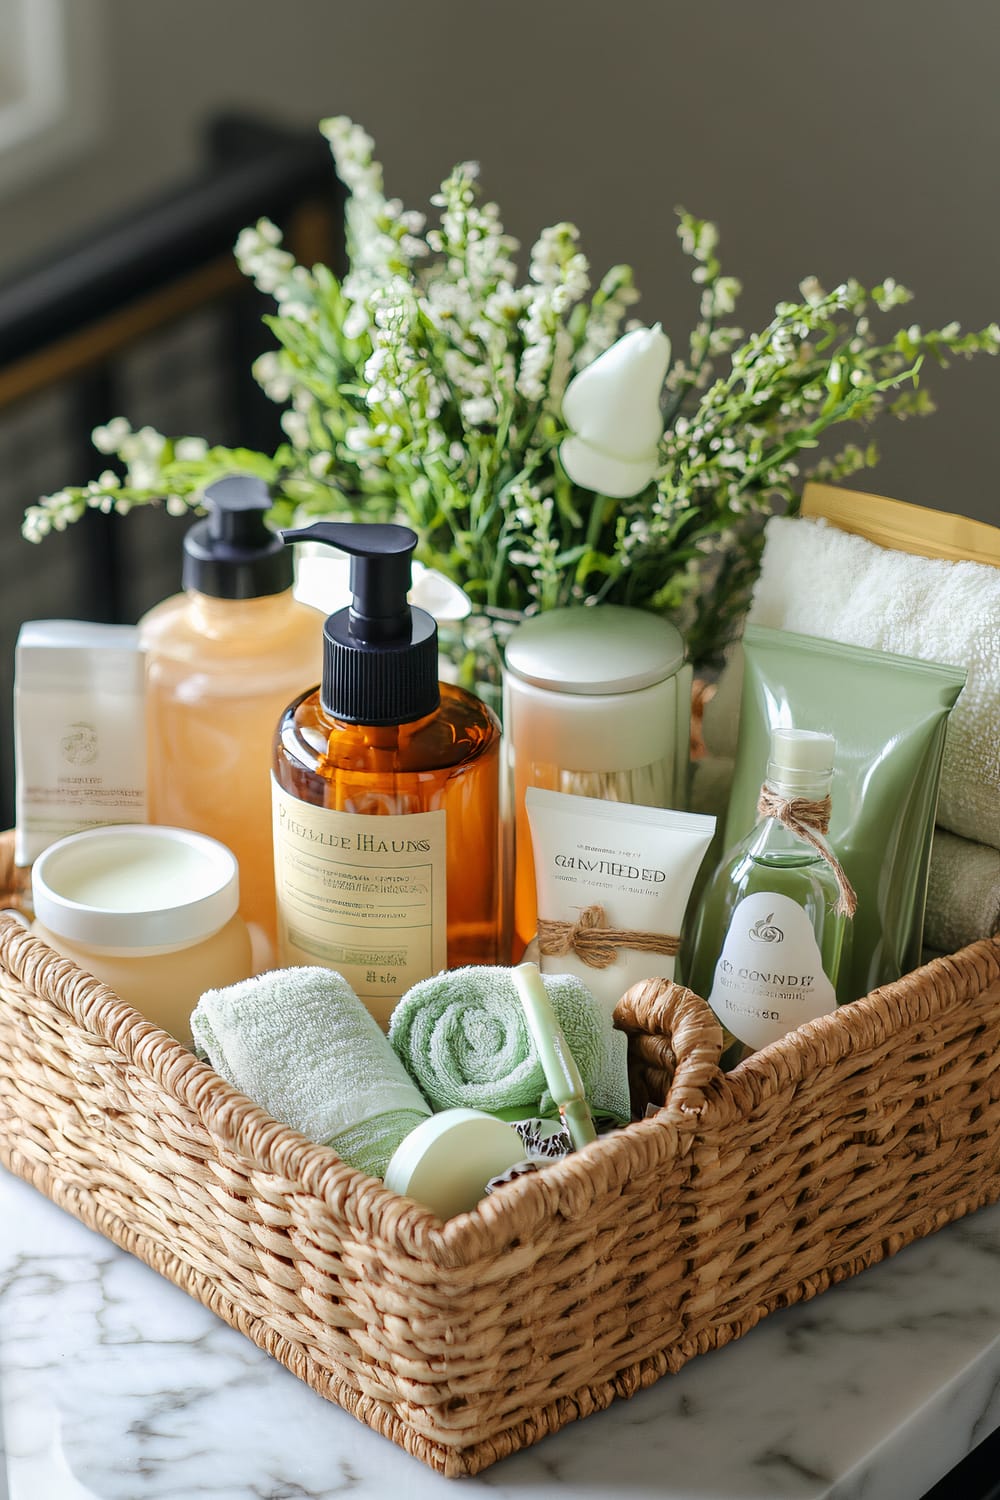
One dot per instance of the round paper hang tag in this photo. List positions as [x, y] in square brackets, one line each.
[769, 977]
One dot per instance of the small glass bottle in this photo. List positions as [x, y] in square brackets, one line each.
[386, 791]
[768, 945]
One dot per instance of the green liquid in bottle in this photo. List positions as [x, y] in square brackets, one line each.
[771, 861]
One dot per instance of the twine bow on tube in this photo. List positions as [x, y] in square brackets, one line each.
[595, 944]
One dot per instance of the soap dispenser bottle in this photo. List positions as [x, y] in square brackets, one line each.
[222, 660]
[385, 787]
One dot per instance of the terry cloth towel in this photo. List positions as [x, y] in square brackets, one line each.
[464, 1039]
[820, 581]
[300, 1043]
[963, 893]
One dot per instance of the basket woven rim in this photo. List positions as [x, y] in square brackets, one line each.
[240, 1126]
[699, 1096]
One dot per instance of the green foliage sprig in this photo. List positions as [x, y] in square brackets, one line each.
[427, 386]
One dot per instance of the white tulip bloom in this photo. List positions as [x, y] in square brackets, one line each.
[612, 409]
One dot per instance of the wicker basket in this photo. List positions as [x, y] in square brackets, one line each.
[466, 1341]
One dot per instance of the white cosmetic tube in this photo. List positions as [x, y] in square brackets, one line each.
[637, 864]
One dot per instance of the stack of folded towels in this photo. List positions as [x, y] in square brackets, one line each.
[820, 581]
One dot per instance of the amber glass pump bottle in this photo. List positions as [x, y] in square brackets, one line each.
[385, 789]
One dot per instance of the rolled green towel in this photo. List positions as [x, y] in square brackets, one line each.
[300, 1043]
[464, 1040]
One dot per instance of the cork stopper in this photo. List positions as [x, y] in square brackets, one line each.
[801, 760]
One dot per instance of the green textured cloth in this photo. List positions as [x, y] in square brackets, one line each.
[300, 1043]
[464, 1040]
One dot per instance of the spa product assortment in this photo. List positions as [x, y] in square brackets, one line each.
[385, 786]
[79, 749]
[153, 912]
[906, 579]
[768, 947]
[222, 660]
[889, 715]
[597, 703]
[301, 1044]
[402, 874]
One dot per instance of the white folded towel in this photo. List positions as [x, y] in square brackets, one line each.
[823, 582]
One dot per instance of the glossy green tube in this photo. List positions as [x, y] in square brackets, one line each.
[888, 715]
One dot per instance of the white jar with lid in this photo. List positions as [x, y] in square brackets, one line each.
[597, 703]
[151, 911]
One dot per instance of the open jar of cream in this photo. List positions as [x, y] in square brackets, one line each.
[151, 911]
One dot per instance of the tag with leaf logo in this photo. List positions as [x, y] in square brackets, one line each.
[769, 977]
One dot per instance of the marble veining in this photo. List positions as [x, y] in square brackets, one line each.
[114, 1385]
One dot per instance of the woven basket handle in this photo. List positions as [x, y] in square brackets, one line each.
[675, 1044]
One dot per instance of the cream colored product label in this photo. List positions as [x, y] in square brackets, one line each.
[769, 977]
[366, 896]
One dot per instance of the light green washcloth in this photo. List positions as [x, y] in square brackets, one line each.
[464, 1040]
[300, 1043]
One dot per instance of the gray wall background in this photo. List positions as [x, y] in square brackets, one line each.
[858, 139]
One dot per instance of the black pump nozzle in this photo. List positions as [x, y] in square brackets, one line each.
[379, 654]
[232, 553]
[380, 574]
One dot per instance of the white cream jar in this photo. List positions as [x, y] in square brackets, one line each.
[151, 911]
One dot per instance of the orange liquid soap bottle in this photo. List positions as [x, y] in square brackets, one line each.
[385, 787]
[222, 660]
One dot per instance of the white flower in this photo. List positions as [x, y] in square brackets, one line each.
[272, 376]
[360, 439]
[612, 409]
[108, 439]
[440, 596]
[296, 428]
[479, 410]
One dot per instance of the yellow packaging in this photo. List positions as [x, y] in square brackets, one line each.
[902, 526]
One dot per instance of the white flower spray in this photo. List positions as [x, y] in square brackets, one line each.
[545, 449]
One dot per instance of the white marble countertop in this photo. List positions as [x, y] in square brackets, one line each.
[117, 1386]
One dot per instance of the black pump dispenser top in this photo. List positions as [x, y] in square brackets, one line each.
[380, 656]
[232, 553]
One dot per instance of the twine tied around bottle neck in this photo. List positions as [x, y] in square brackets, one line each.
[595, 944]
[801, 816]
